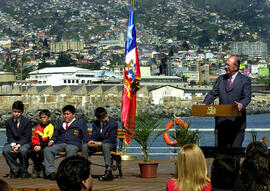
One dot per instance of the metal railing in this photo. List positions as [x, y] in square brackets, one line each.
[171, 152]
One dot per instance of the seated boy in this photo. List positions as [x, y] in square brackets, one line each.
[68, 136]
[104, 138]
[19, 133]
[43, 132]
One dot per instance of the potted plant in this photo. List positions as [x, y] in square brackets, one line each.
[183, 135]
[145, 133]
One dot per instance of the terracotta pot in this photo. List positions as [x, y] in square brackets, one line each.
[148, 169]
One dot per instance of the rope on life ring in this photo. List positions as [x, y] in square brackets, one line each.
[168, 126]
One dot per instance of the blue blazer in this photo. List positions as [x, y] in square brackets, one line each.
[76, 134]
[108, 134]
[240, 91]
[22, 135]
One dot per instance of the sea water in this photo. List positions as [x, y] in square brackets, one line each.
[161, 150]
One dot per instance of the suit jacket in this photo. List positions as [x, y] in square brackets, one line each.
[22, 135]
[108, 134]
[240, 91]
[76, 134]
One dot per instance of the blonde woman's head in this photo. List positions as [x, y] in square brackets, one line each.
[191, 168]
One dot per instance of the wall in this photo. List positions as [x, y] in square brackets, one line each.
[58, 101]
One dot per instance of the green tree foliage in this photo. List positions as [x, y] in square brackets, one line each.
[204, 40]
[192, 83]
[64, 60]
[93, 66]
[116, 58]
[172, 50]
[10, 65]
[45, 43]
[26, 71]
[253, 13]
[43, 64]
[185, 46]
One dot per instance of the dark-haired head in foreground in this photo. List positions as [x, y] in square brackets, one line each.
[256, 149]
[257, 181]
[73, 174]
[224, 172]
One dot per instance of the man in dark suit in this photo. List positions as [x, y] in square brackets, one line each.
[68, 136]
[231, 88]
[19, 134]
[104, 138]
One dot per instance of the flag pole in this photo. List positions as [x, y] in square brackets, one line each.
[21, 62]
[131, 73]
[126, 156]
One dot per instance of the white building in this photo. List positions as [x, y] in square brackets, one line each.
[251, 49]
[58, 76]
[5, 41]
[166, 91]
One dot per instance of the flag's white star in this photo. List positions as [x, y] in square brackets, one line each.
[129, 75]
[130, 31]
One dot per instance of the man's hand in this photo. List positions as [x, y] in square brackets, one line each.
[37, 148]
[15, 149]
[50, 143]
[93, 144]
[238, 105]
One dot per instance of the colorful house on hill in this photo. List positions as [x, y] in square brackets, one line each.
[246, 68]
[263, 70]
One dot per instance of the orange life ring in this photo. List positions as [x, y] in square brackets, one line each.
[168, 126]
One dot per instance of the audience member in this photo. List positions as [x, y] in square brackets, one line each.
[254, 165]
[43, 132]
[256, 148]
[191, 172]
[224, 173]
[74, 174]
[258, 181]
[104, 138]
[68, 136]
[256, 159]
[19, 134]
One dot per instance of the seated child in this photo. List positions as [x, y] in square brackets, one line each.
[19, 133]
[43, 132]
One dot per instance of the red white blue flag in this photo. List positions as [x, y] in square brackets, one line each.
[132, 77]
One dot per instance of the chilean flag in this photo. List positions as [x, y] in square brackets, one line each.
[132, 77]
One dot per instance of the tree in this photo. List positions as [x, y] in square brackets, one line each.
[172, 50]
[192, 83]
[45, 43]
[64, 60]
[204, 40]
[116, 58]
[185, 46]
[43, 64]
[93, 66]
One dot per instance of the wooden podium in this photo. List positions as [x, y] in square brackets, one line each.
[221, 111]
[215, 110]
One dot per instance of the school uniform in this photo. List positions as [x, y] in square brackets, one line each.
[67, 138]
[19, 132]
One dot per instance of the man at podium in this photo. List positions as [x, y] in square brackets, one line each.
[232, 88]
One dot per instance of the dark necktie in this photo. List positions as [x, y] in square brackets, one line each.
[16, 124]
[230, 82]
